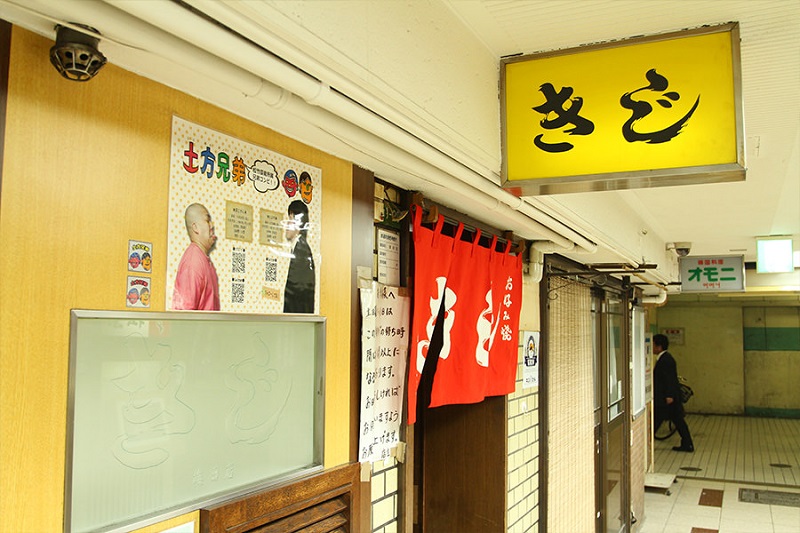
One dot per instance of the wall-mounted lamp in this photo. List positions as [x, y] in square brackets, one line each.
[75, 54]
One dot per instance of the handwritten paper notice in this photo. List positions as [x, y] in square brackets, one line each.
[384, 349]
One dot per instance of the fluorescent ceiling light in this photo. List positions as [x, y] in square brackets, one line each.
[774, 254]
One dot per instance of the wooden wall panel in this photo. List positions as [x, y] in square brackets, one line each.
[363, 235]
[5, 45]
[362, 252]
[85, 169]
[322, 503]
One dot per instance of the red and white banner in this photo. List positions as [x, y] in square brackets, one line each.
[433, 255]
[506, 272]
[481, 291]
[461, 374]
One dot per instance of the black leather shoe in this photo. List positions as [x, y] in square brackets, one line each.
[683, 449]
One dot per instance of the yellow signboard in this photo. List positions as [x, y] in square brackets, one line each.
[645, 112]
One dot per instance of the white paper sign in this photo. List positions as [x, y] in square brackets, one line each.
[384, 349]
[388, 257]
[530, 359]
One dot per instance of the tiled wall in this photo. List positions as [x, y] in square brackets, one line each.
[385, 475]
[638, 463]
[523, 458]
[385, 497]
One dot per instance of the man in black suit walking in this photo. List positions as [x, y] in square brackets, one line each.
[667, 393]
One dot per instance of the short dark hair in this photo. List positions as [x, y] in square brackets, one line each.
[297, 207]
[661, 340]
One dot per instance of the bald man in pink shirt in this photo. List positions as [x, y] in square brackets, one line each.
[196, 284]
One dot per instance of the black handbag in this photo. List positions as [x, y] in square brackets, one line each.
[686, 390]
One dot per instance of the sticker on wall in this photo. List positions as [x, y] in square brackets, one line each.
[530, 366]
[140, 256]
[138, 294]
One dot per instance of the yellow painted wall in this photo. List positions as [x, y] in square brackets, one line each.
[711, 358]
[85, 169]
[772, 366]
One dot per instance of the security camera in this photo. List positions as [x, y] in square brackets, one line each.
[682, 249]
[75, 55]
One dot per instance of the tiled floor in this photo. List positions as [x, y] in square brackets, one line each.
[730, 453]
[681, 512]
[736, 448]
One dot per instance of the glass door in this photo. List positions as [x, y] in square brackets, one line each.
[615, 428]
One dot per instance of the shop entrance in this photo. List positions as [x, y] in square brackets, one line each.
[460, 458]
[585, 399]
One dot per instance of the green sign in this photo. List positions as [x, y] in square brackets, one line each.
[712, 274]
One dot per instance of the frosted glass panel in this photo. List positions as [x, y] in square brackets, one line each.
[171, 410]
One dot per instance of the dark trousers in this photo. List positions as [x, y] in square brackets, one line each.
[674, 412]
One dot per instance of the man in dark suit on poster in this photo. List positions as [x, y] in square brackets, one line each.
[298, 296]
[667, 393]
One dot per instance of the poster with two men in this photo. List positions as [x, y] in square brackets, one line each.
[244, 232]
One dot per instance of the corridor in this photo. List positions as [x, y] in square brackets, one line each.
[736, 459]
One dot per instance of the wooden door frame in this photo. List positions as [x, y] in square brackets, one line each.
[5, 61]
[362, 255]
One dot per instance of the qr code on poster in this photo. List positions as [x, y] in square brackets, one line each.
[238, 261]
[237, 292]
[271, 270]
